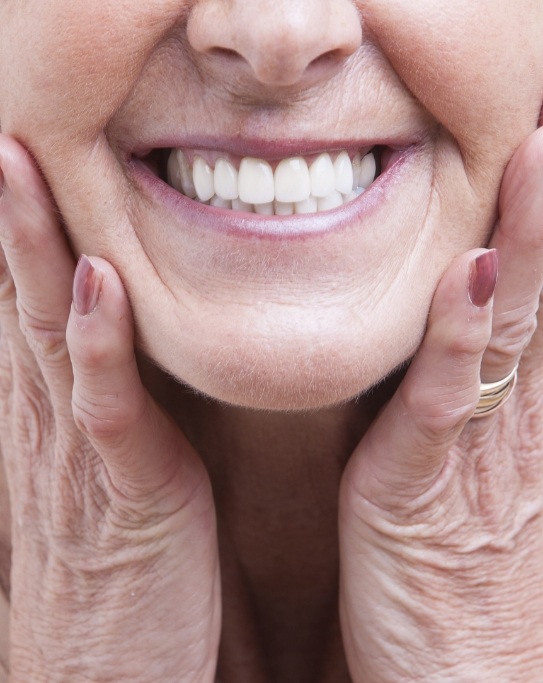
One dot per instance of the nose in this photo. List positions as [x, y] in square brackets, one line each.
[281, 42]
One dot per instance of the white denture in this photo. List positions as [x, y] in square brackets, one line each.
[293, 186]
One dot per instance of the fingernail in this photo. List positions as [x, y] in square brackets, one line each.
[87, 287]
[483, 278]
[1, 183]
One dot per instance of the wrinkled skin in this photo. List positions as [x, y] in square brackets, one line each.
[117, 476]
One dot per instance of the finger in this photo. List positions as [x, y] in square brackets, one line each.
[404, 450]
[519, 242]
[142, 449]
[39, 260]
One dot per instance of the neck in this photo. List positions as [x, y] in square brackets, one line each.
[276, 479]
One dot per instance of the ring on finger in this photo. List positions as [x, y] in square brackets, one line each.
[494, 394]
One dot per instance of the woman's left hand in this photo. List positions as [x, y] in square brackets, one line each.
[441, 515]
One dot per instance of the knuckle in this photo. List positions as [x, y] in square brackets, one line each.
[511, 338]
[464, 350]
[103, 421]
[95, 352]
[7, 287]
[32, 419]
[438, 412]
[45, 341]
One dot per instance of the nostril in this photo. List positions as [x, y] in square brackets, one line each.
[281, 41]
[329, 58]
[225, 52]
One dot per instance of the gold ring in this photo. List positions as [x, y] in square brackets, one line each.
[495, 394]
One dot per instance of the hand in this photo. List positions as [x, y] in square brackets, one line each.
[441, 516]
[114, 569]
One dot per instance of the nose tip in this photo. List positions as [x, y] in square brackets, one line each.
[281, 42]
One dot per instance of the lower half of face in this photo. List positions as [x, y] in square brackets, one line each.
[270, 311]
[280, 312]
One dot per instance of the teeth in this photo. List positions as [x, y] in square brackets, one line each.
[180, 174]
[220, 203]
[264, 209]
[368, 169]
[323, 176]
[255, 183]
[331, 202]
[238, 205]
[226, 180]
[310, 205]
[203, 179]
[292, 180]
[344, 173]
[294, 187]
[283, 208]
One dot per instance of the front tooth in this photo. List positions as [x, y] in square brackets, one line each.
[309, 205]
[225, 179]
[331, 202]
[264, 209]
[238, 205]
[283, 208]
[203, 179]
[344, 173]
[323, 176]
[292, 180]
[368, 170]
[255, 181]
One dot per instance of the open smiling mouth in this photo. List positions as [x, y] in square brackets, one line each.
[282, 187]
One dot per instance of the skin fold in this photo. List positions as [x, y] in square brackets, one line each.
[184, 418]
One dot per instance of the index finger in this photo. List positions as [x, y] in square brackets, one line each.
[519, 242]
[39, 260]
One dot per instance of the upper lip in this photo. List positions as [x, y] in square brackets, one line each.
[268, 148]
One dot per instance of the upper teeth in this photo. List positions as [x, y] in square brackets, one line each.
[294, 187]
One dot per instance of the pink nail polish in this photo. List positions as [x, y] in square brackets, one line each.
[87, 286]
[483, 278]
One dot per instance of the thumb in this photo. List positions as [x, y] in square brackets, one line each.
[142, 449]
[405, 449]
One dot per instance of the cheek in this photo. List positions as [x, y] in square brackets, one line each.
[66, 65]
[476, 66]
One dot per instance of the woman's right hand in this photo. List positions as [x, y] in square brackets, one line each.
[115, 573]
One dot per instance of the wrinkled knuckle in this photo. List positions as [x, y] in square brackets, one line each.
[32, 418]
[438, 412]
[8, 293]
[511, 341]
[96, 352]
[106, 424]
[15, 241]
[46, 342]
[465, 347]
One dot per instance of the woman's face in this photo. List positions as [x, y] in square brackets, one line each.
[277, 312]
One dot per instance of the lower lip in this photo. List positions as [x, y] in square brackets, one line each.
[235, 223]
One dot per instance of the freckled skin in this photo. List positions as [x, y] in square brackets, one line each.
[260, 324]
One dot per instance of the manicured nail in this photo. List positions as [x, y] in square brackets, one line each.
[1, 183]
[483, 278]
[87, 287]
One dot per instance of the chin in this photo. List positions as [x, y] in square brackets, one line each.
[293, 374]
